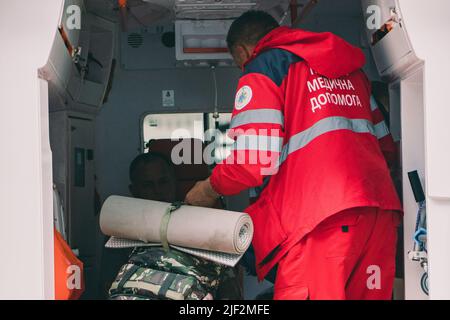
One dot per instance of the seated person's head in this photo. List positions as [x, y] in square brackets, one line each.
[152, 177]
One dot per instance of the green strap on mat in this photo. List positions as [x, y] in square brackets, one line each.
[165, 224]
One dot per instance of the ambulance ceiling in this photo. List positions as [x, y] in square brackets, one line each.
[346, 8]
[144, 13]
[225, 9]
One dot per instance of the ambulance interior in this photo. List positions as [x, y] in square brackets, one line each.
[138, 69]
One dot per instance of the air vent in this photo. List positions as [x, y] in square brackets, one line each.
[135, 40]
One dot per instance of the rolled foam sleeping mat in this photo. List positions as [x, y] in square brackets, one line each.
[189, 226]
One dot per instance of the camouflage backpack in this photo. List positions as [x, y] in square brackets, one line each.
[153, 273]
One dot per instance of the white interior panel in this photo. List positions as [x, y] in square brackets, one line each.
[26, 204]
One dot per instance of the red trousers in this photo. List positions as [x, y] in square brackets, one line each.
[348, 256]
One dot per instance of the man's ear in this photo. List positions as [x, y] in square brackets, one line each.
[248, 51]
[241, 55]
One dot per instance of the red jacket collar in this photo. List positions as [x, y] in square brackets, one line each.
[326, 53]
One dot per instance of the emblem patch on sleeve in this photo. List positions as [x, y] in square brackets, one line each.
[243, 97]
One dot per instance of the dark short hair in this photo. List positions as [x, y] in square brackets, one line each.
[146, 158]
[249, 28]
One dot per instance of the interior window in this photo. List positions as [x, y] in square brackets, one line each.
[173, 126]
[190, 125]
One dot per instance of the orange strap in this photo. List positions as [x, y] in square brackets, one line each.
[122, 3]
[66, 40]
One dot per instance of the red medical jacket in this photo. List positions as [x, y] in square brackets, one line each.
[307, 134]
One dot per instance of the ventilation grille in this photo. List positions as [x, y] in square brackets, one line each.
[135, 40]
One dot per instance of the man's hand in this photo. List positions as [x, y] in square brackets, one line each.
[202, 195]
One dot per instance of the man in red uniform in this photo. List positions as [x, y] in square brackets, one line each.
[308, 136]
